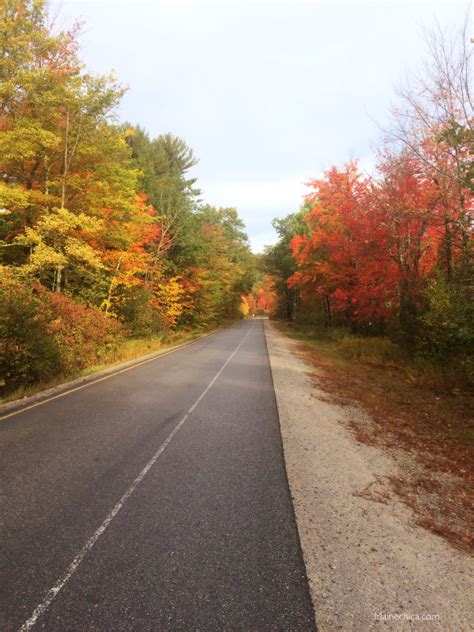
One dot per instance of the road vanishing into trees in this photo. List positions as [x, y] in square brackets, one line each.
[154, 500]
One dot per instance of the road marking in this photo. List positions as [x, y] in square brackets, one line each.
[107, 377]
[72, 568]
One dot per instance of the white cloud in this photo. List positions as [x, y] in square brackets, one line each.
[243, 2]
[268, 93]
[258, 202]
[263, 194]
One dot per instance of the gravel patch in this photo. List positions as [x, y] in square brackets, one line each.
[369, 565]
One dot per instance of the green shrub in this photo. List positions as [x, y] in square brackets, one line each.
[28, 354]
[449, 319]
[447, 337]
[140, 319]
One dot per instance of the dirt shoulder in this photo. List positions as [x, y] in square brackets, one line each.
[369, 564]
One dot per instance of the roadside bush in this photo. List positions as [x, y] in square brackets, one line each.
[448, 327]
[43, 335]
[139, 318]
[82, 334]
[27, 353]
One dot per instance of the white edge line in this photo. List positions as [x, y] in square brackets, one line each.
[72, 568]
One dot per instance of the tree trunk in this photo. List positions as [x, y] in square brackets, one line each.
[58, 272]
[327, 309]
[448, 248]
[66, 162]
[408, 313]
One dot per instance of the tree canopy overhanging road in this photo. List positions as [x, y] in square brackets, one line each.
[154, 500]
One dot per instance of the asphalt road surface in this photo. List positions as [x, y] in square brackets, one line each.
[155, 500]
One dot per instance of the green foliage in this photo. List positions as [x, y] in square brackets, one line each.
[27, 353]
[163, 164]
[139, 318]
[280, 264]
[448, 324]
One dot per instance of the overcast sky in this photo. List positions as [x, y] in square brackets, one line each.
[268, 94]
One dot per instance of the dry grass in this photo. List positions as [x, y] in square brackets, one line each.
[429, 433]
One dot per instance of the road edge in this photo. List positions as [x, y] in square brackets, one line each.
[271, 358]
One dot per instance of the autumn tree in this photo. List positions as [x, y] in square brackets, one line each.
[102, 233]
[406, 202]
[164, 163]
[280, 264]
[434, 122]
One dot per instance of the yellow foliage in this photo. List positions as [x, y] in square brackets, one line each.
[169, 299]
[12, 198]
[244, 307]
[53, 244]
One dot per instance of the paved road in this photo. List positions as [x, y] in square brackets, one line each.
[123, 511]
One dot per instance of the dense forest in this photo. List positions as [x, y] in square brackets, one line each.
[103, 233]
[104, 236]
[387, 256]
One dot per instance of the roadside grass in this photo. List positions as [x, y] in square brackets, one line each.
[128, 349]
[428, 427]
[381, 352]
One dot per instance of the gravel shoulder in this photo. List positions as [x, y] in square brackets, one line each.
[369, 565]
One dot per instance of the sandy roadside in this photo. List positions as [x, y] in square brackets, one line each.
[368, 565]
